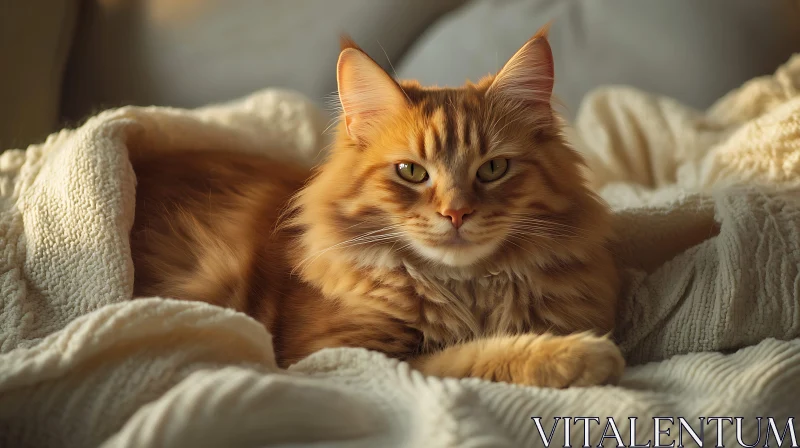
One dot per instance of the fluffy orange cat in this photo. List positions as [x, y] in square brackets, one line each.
[449, 227]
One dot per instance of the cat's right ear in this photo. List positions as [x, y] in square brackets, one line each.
[367, 93]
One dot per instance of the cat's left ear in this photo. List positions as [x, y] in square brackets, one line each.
[528, 75]
[367, 93]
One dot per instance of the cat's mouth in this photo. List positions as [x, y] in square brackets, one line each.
[455, 240]
[456, 249]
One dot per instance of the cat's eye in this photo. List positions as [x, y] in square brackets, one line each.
[412, 172]
[492, 170]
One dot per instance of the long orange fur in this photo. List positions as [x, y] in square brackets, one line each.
[523, 291]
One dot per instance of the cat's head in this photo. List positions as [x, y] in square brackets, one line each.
[452, 176]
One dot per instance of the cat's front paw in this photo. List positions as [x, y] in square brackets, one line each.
[577, 360]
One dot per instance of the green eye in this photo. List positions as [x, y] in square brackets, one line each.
[492, 170]
[412, 172]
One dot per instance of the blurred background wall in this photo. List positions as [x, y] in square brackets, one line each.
[63, 60]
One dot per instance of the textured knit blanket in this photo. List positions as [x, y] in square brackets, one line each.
[709, 226]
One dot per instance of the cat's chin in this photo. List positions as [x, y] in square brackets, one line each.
[460, 255]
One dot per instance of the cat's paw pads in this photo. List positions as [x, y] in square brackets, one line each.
[578, 360]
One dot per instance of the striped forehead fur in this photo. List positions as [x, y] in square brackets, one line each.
[450, 119]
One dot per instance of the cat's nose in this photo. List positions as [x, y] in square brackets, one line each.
[456, 216]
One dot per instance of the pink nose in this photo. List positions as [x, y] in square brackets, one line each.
[456, 216]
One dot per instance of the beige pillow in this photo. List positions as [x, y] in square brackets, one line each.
[35, 39]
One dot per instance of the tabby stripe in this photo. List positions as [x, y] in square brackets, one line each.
[404, 194]
[467, 130]
[546, 177]
[359, 222]
[428, 108]
[451, 137]
[421, 149]
[358, 185]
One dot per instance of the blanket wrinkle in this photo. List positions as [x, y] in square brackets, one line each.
[706, 206]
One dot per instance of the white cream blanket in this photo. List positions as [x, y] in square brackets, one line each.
[710, 241]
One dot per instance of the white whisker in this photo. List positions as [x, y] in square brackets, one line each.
[393, 70]
[359, 239]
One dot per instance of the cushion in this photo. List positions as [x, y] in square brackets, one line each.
[689, 50]
[229, 49]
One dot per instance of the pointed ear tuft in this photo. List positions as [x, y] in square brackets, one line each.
[345, 42]
[544, 31]
[367, 93]
[528, 75]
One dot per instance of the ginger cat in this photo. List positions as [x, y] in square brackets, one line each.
[449, 227]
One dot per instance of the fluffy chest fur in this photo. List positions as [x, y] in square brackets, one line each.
[458, 309]
[451, 306]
